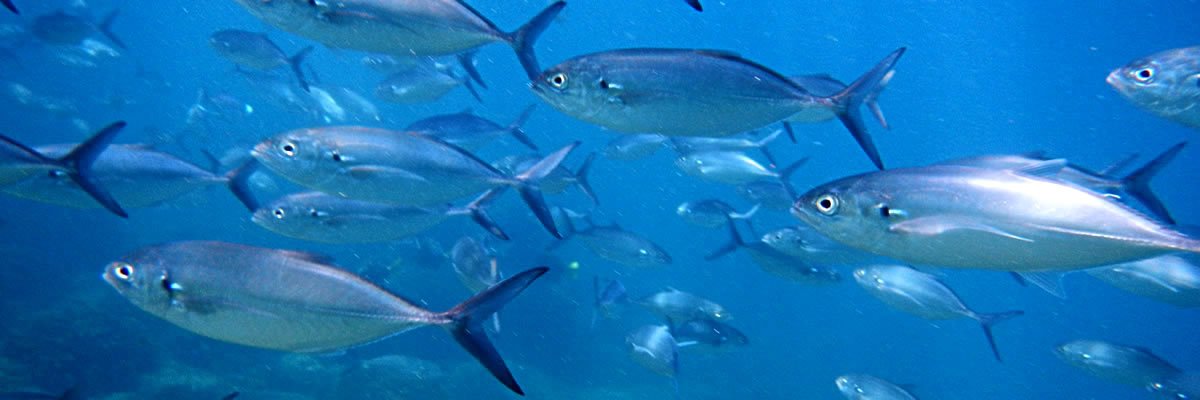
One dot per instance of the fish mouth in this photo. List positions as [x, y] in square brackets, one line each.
[1114, 79]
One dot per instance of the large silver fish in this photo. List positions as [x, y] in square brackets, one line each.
[866, 387]
[923, 295]
[401, 27]
[1173, 279]
[404, 168]
[293, 301]
[1165, 83]
[322, 217]
[686, 92]
[256, 50]
[1134, 366]
[964, 217]
[19, 162]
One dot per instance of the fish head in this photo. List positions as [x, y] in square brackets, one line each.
[846, 211]
[142, 283]
[1166, 83]
[715, 311]
[576, 87]
[870, 277]
[1079, 353]
[850, 387]
[652, 255]
[291, 218]
[302, 155]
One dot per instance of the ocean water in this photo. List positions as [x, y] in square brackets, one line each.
[978, 78]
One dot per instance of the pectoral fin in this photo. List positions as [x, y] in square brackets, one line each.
[929, 226]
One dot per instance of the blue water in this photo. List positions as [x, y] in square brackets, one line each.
[979, 78]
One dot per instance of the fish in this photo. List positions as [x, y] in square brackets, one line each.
[19, 163]
[695, 4]
[476, 268]
[1136, 184]
[321, 217]
[805, 243]
[256, 50]
[404, 168]
[728, 167]
[653, 347]
[282, 93]
[1172, 279]
[342, 104]
[679, 306]
[390, 64]
[615, 244]
[418, 28]
[867, 387]
[423, 84]
[558, 180]
[1184, 385]
[777, 263]
[1015, 220]
[825, 85]
[471, 132]
[711, 213]
[917, 293]
[708, 333]
[688, 145]
[604, 299]
[769, 194]
[1164, 84]
[10, 6]
[69, 394]
[135, 177]
[1129, 365]
[248, 295]
[634, 146]
[60, 28]
[656, 91]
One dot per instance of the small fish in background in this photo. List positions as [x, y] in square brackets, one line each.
[256, 50]
[1129, 365]
[1172, 279]
[678, 306]
[917, 293]
[770, 194]
[247, 295]
[558, 180]
[425, 83]
[867, 387]
[777, 263]
[634, 146]
[605, 299]
[471, 132]
[613, 243]
[394, 64]
[805, 243]
[712, 213]
[89, 53]
[1166, 84]
[710, 334]
[686, 145]
[727, 167]
[653, 347]
[60, 28]
[476, 267]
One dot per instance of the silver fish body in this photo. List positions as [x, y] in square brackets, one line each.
[806, 244]
[474, 264]
[677, 305]
[469, 131]
[653, 347]
[1134, 366]
[866, 387]
[321, 217]
[728, 167]
[620, 246]
[634, 146]
[710, 213]
[1172, 279]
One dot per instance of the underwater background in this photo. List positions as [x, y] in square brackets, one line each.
[979, 78]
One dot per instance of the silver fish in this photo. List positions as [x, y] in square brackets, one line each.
[1134, 366]
[777, 263]
[321, 217]
[605, 299]
[474, 264]
[708, 333]
[634, 146]
[963, 217]
[390, 64]
[805, 243]
[728, 167]
[653, 347]
[60, 28]
[767, 193]
[393, 167]
[248, 295]
[1164, 83]
[19, 163]
[656, 91]
[866, 387]
[688, 145]
[256, 50]
[1181, 386]
[923, 295]
[471, 132]
[403, 27]
[1171, 279]
[617, 245]
[423, 84]
[711, 213]
[676, 305]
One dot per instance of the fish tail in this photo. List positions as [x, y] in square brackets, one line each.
[1137, 184]
[988, 320]
[10, 6]
[471, 88]
[478, 212]
[238, 182]
[79, 165]
[465, 323]
[848, 102]
[872, 102]
[1115, 167]
[295, 61]
[696, 6]
[515, 130]
[105, 28]
[522, 39]
[735, 241]
[581, 178]
[787, 127]
[527, 186]
[785, 177]
[466, 59]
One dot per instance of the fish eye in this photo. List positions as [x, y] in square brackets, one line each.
[827, 204]
[279, 213]
[315, 214]
[288, 149]
[603, 84]
[559, 80]
[1086, 356]
[336, 156]
[1144, 75]
[124, 271]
